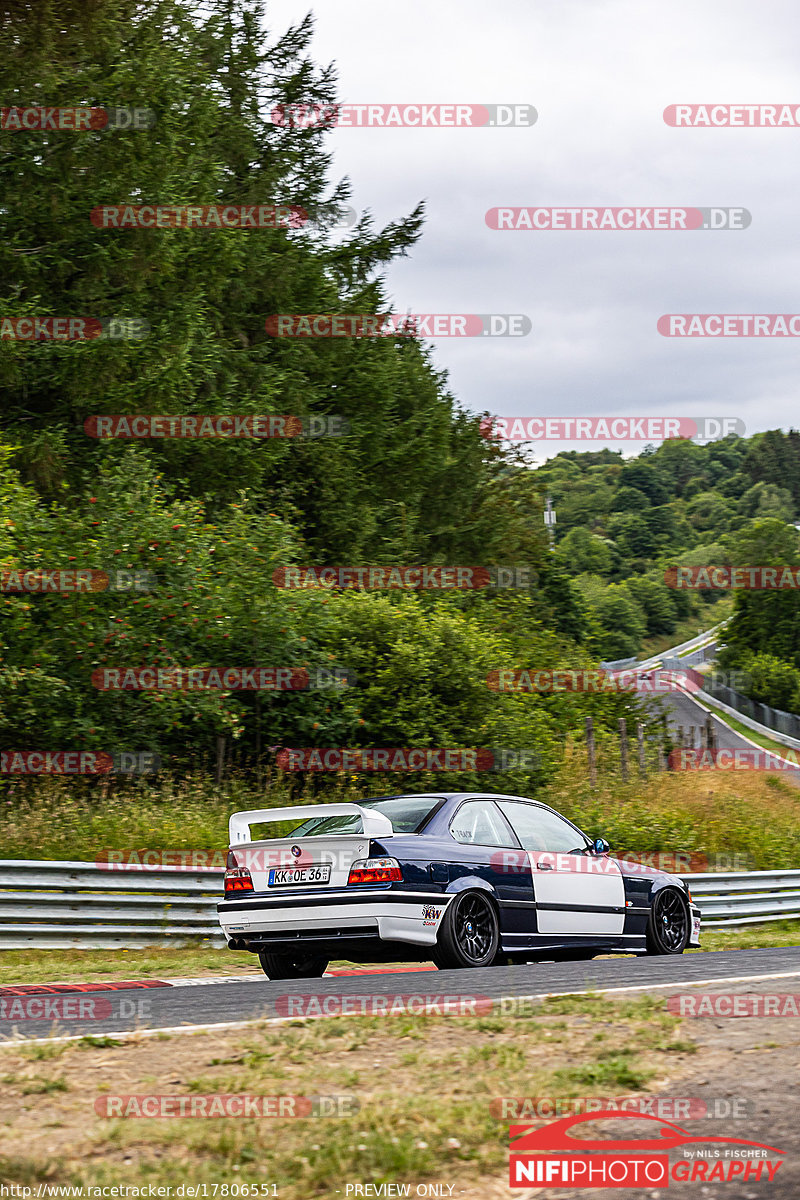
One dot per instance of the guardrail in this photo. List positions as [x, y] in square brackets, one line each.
[50, 905]
[746, 897]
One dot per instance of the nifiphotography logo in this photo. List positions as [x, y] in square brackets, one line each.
[574, 1161]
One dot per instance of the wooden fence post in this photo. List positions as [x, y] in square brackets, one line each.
[640, 741]
[220, 759]
[590, 752]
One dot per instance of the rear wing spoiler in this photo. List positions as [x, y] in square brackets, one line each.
[373, 824]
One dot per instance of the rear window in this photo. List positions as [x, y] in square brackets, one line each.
[407, 814]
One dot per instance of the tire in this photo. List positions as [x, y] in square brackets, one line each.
[292, 966]
[668, 924]
[470, 933]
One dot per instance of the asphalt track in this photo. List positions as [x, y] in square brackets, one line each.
[684, 711]
[203, 1003]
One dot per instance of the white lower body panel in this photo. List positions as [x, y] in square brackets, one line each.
[415, 920]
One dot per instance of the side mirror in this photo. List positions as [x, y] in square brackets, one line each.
[600, 846]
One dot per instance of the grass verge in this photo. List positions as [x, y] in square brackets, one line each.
[739, 727]
[422, 1086]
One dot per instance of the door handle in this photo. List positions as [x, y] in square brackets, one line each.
[542, 866]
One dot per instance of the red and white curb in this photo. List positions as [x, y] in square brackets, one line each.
[50, 989]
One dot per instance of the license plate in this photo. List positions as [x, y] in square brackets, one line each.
[280, 876]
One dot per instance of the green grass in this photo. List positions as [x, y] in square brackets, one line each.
[76, 966]
[54, 818]
[689, 628]
[454, 1134]
[684, 812]
[42, 1087]
[153, 962]
[611, 1071]
[751, 937]
[706, 813]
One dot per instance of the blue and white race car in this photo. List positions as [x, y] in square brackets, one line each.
[464, 879]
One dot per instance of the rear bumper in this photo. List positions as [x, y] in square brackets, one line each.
[380, 915]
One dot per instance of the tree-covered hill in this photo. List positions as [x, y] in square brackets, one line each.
[411, 481]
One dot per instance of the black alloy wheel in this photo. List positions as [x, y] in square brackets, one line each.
[668, 927]
[470, 933]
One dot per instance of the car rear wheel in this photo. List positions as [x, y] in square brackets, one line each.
[668, 926]
[470, 933]
[292, 966]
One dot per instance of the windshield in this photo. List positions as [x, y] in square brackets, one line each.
[407, 814]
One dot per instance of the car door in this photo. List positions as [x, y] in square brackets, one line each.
[487, 848]
[576, 891]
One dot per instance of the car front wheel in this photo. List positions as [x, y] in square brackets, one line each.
[668, 926]
[292, 966]
[470, 933]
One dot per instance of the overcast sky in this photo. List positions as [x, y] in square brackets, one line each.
[600, 73]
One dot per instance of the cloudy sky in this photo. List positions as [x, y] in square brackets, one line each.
[600, 73]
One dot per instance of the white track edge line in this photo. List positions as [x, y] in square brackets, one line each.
[137, 1034]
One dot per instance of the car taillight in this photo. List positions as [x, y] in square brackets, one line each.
[238, 879]
[375, 870]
